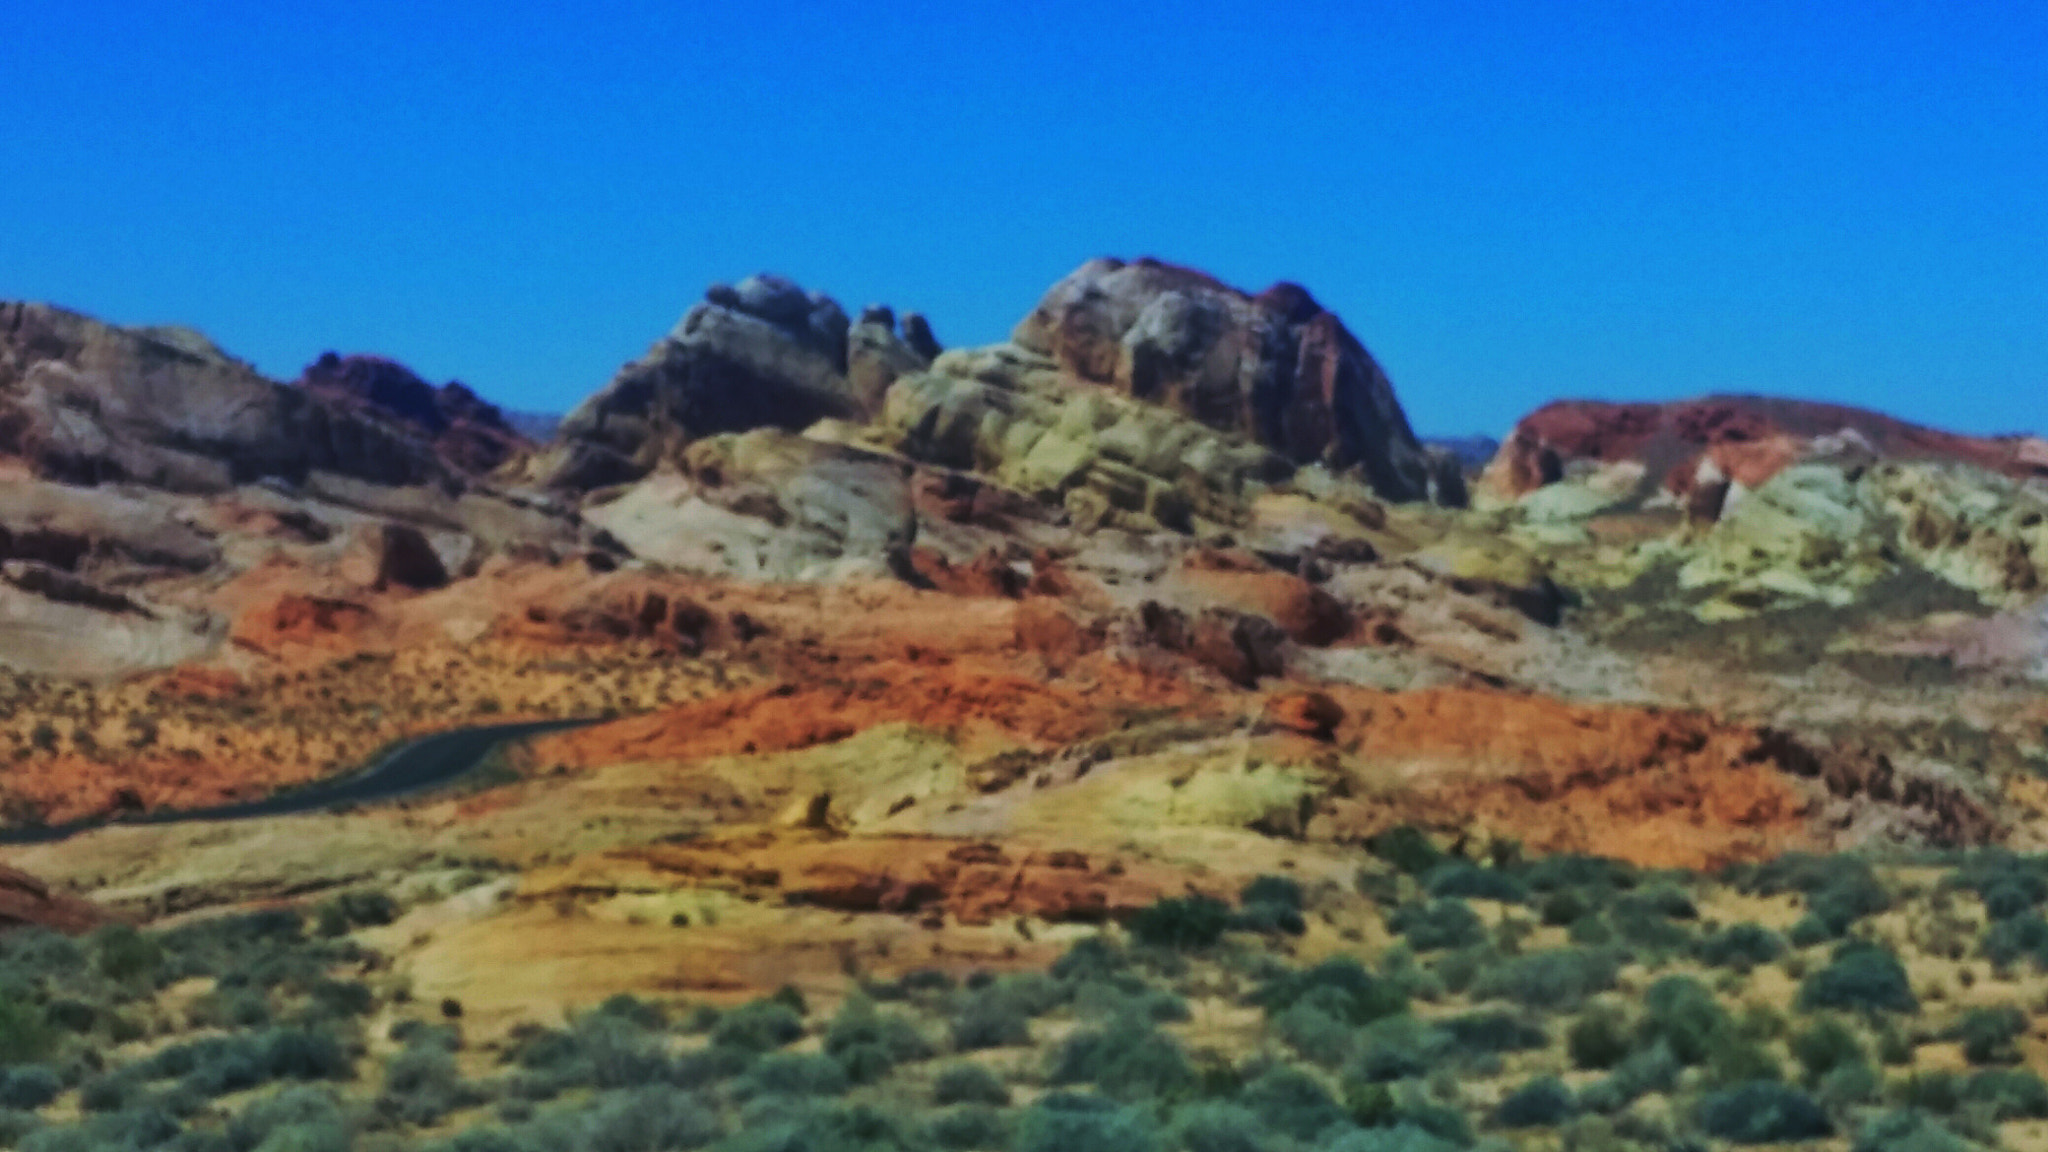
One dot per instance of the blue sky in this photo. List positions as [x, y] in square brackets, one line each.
[1509, 203]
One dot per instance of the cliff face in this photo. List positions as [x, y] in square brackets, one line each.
[87, 403]
[1276, 367]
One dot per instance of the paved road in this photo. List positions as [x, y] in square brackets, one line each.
[425, 763]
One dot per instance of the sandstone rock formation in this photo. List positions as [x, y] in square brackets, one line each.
[1276, 368]
[89, 403]
[1740, 439]
[759, 354]
[26, 902]
[465, 430]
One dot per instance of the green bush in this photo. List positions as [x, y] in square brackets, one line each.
[1827, 1045]
[797, 1074]
[1312, 1030]
[1217, 1126]
[1741, 947]
[1646, 1070]
[758, 1026]
[30, 1087]
[1129, 1061]
[868, 1044]
[1493, 1032]
[656, 1118]
[2023, 937]
[1341, 987]
[1281, 890]
[968, 1128]
[1470, 882]
[1437, 925]
[1848, 1085]
[1064, 1122]
[422, 1086]
[1185, 923]
[1862, 977]
[1541, 1103]
[1598, 1039]
[300, 1116]
[2007, 1093]
[1908, 1131]
[1937, 1092]
[1407, 848]
[1765, 1112]
[26, 1035]
[122, 953]
[1398, 1138]
[1559, 979]
[1397, 1048]
[1991, 1035]
[966, 1083]
[988, 1020]
[1291, 1102]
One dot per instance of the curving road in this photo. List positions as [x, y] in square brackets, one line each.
[416, 766]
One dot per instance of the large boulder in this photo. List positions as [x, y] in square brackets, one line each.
[468, 432]
[86, 403]
[1276, 368]
[759, 354]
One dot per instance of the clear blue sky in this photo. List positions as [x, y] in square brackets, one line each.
[1508, 202]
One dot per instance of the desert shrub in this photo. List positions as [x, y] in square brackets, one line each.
[1185, 923]
[1091, 958]
[1065, 1122]
[422, 1085]
[625, 1006]
[1862, 977]
[1437, 925]
[2007, 1093]
[1741, 947]
[970, 1127]
[710, 1065]
[141, 1127]
[1470, 882]
[1397, 1138]
[797, 1074]
[966, 1083]
[1905, 1130]
[1407, 848]
[1735, 1058]
[1560, 979]
[1291, 1102]
[1764, 1112]
[1397, 1048]
[363, 908]
[1310, 1029]
[299, 1116]
[1218, 1126]
[1563, 907]
[1850, 1084]
[1937, 1092]
[26, 1035]
[868, 1043]
[1990, 1035]
[1341, 986]
[758, 1026]
[2016, 938]
[1661, 899]
[1598, 1039]
[2008, 898]
[109, 1092]
[1129, 1061]
[656, 1118]
[989, 1021]
[30, 1087]
[1646, 1070]
[1825, 1046]
[1271, 904]
[304, 1054]
[16, 1125]
[340, 999]
[121, 952]
[1680, 1012]
[1589, 874]
[1541, 1103]
[1493, 1032]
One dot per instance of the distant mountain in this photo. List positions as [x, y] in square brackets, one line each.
[1471, 452]
[538, 427]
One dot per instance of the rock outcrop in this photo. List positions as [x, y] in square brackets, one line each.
[1743, 440]
[26, 902]
[1276, 368]
[468, 432]
[760, 354]
[88, 403]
